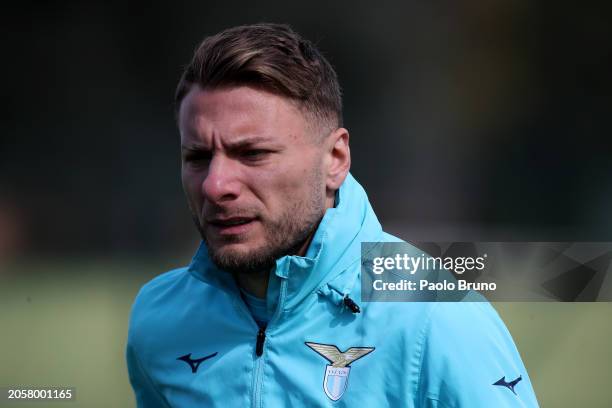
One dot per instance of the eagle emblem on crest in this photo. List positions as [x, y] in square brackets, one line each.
[335, 381]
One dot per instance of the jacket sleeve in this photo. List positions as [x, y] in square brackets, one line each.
[468, 359]
[145, 391]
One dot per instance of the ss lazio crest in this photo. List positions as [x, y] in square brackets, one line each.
[336, 374]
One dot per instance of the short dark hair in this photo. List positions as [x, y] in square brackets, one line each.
[272, 57]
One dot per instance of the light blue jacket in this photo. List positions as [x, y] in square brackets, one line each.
[193, 343]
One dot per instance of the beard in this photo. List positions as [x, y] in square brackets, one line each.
[284, 235]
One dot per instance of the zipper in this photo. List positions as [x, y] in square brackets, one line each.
[261, 338]
[259, 348]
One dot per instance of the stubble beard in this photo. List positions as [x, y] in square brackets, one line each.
[284, 236]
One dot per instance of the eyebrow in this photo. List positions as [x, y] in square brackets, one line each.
[194, 147]
[234, 145]
[247, 141]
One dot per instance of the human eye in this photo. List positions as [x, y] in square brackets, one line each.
[255, 154]
[197, 157]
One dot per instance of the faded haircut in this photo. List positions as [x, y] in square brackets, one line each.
[271, 57]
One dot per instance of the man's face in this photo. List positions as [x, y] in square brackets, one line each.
[252, 173]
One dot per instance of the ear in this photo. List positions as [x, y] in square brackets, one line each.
[338, 159]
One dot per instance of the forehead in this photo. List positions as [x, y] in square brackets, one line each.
[236, 112]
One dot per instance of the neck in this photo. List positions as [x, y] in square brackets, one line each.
[254, 283]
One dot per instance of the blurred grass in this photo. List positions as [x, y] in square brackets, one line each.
[64, 323]
[567, 350]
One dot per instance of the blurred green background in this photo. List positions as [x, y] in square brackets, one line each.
[65, 324]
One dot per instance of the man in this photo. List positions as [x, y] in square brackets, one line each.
[268, 313]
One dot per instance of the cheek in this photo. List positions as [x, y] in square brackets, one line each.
[283, 186]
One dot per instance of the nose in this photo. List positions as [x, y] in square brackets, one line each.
[221, 182]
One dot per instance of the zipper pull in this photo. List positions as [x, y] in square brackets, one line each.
[350, 303]
[261, 338]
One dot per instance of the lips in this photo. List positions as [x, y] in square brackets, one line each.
[232, 225]
[228, 222]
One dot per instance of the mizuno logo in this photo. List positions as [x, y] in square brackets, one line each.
[194, 363]
[510, 385]
[335, 381]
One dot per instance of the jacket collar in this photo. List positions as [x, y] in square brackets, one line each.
[335, 247]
